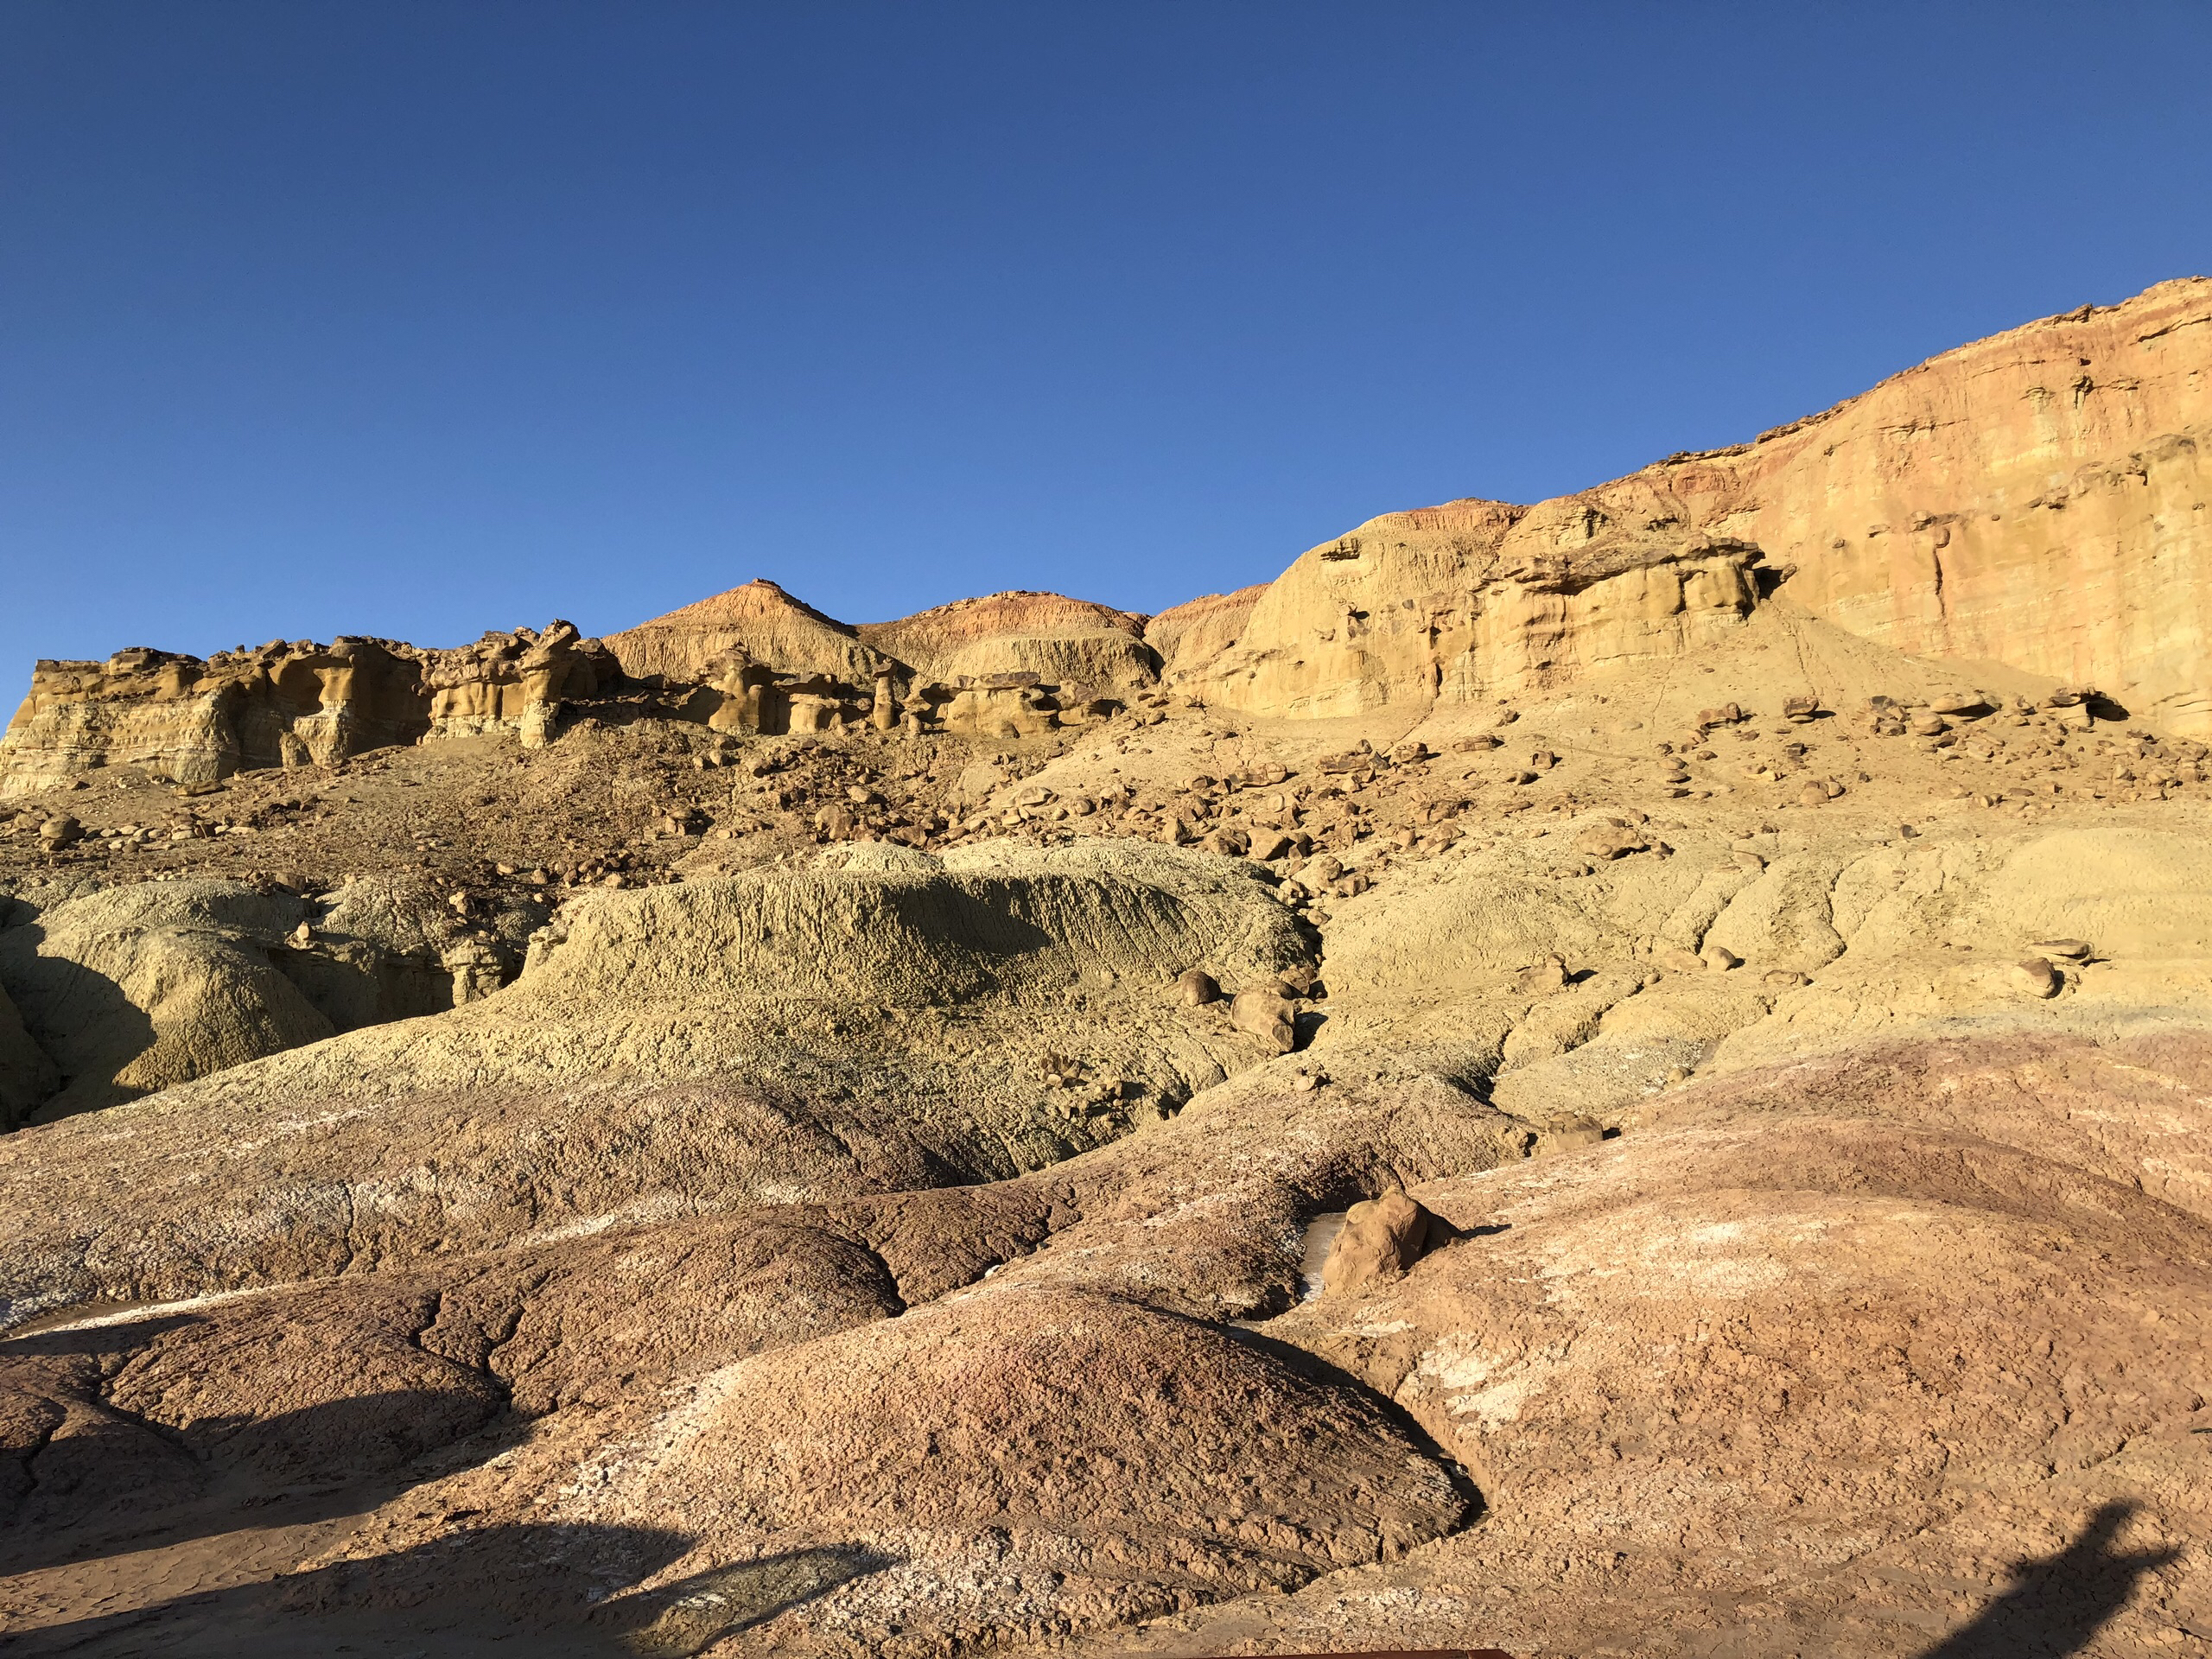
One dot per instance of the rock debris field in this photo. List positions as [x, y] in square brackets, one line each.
[1626, 1077]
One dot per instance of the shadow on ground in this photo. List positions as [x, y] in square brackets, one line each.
[2057, 1603]
[500, 1590]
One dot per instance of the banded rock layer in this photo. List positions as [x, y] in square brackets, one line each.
[2008, 502]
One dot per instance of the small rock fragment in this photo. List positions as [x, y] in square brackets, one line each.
[1198, 988]
[2074, 949]
[1719, 958]
[2036, 976]
[1566, 1135]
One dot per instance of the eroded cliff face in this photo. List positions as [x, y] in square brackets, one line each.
[1199, 629]
[2037, 500]
[192, 721]
[1475, 599]
[754, 661]
[2017, 500]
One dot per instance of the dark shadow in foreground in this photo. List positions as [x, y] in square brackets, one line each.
[2058, 1603]
[474, 1594]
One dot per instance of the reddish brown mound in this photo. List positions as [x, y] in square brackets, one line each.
[937, 632]
[1199, 629]
[761, 618]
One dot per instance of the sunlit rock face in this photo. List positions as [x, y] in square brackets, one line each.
[195, 720]
[2008, 502]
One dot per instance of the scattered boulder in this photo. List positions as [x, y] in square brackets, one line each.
[1197, 989]
[1798, 710]
[2034, 975]
[2074, 949]
[1543, 977]
[1265, 1012]
[1958, 702]
[1379, 1240]
[1609, 841]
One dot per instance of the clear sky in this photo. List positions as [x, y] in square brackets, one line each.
[417, 320]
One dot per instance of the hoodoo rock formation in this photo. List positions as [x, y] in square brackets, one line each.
[1628, 1076]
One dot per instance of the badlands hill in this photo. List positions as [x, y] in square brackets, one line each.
[1632, 1075]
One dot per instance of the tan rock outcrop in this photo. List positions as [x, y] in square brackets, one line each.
[514, 682]
[1472, 600]
[2009, 501]
[773, 629]
[195, 721]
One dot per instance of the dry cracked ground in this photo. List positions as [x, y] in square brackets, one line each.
[1711, 1155]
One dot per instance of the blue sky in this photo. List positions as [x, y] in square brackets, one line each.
[417, 320]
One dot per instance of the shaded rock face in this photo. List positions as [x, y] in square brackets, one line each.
[129, 991]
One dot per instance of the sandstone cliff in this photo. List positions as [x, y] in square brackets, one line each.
[2013, 501]
[192, 720]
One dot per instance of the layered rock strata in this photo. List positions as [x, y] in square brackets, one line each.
[1088, 649]
[2005, 502]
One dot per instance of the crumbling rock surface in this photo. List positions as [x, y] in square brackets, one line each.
[192, 721]
[756, 1039]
